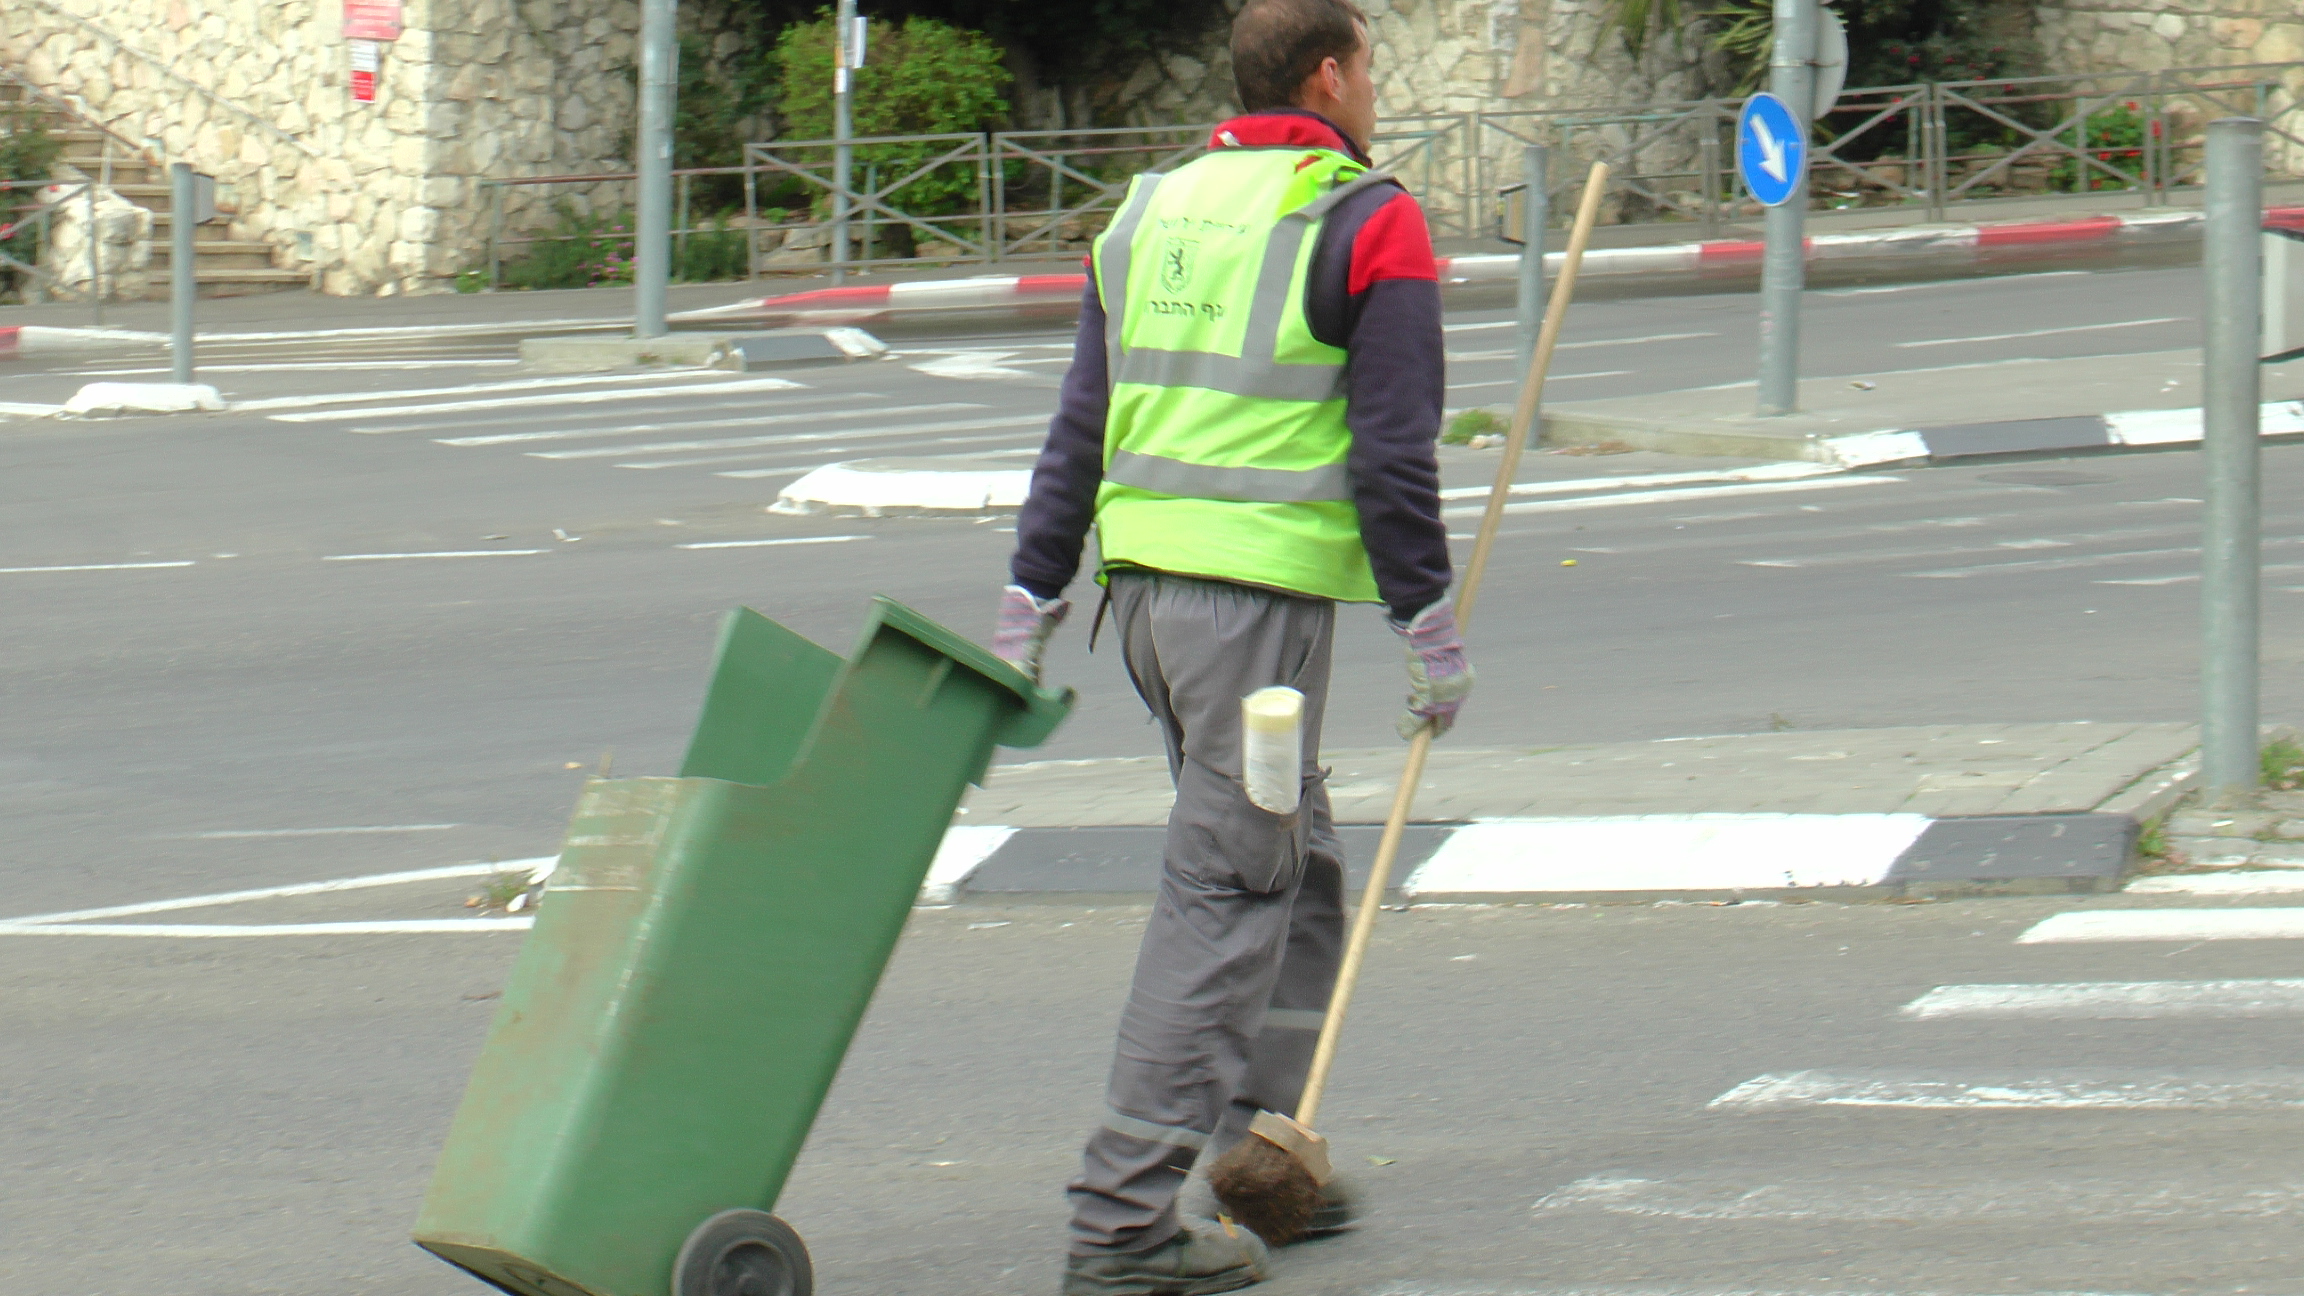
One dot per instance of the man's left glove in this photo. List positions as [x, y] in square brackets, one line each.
[1021, 632]
[1439, 678]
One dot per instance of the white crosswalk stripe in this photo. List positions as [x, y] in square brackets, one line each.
[2284, 923]
[2113, 1000]
[2055, 1091]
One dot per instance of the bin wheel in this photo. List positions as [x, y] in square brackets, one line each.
[743, 1253]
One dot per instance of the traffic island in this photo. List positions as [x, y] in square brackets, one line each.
[111, 399]
[897, 487]
[763, 349]
[2009, 407]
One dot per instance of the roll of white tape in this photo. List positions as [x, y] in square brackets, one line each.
[1272, 747]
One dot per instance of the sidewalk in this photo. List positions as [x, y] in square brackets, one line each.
[1849, 813]
[1995, 408]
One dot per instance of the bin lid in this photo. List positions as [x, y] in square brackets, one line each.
[1043, 709]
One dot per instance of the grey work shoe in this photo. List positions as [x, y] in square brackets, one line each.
[1207, 1256]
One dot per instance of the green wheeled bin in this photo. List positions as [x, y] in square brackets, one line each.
[702, 955]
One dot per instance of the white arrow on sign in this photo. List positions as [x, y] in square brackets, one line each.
[1771, 150]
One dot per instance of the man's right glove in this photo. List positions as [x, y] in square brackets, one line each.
[1438, 676]
[1020, 634]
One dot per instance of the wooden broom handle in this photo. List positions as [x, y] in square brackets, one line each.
[1412, 774]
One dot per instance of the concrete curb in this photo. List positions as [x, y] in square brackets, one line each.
[1056, 297]
[1890, 446]
[36, 339]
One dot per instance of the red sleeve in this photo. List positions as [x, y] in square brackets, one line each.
[1394, 243]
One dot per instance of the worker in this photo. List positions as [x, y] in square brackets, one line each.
[1248, 423]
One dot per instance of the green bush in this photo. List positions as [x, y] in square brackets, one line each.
[1473, 423]
[27, 154]
[591, 251]
[2115, 137]
[922, 77]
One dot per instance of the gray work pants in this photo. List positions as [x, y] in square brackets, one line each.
[1241, 950]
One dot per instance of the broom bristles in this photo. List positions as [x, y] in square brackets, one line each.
[1263, 1186]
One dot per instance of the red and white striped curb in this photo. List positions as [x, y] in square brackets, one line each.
[34, 339]
[1055, 296]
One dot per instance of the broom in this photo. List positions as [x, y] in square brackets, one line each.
[1271, 1180]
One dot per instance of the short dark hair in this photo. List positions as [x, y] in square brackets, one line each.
[1276, 44]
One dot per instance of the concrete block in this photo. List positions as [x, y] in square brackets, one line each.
[98, 399]
[593, 354]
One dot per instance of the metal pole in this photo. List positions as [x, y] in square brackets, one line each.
[2230, 381]
[182, 286]
[843, 129]
[95, 258]
[652, 236]
[1535, 207]
[1783, 269]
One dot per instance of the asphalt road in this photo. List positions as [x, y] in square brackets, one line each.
[1524, 1098]
[235, 656]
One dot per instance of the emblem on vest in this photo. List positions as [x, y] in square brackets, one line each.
[1177, 257]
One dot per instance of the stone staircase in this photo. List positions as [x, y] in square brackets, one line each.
[222, 266]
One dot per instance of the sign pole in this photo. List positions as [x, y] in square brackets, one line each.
[2231, 388]
[183, 286]
[1535, 212]
[652, 236]
[1783, 269]
[843, 129]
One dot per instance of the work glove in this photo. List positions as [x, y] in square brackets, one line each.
[1020, 633]
[1439, 679]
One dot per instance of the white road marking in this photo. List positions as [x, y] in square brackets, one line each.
[2189, 578]
[20, 409]
[1694, 852]
[1946, 283]
[840, 453]
[316, 832]
[2166, 925]
[1871, 1199]
[531, 401]
[762, 544]
[2049, 564]
[2046, 332]
[444, 553]
[564, 419]
[1552, 378]
[76, 567]
[2134, 1091]
[754, 420]
[964, 849]
[2231, 882]
[303, 366]
[1673, 496]
[278, 892]
[199, 931]
[1761, 472]
[310, 400]
[2113, 1000]
[791, 438]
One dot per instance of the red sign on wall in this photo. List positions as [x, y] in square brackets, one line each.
[367, 59]
[372, 20]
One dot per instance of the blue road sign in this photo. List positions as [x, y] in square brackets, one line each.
[1771, 149]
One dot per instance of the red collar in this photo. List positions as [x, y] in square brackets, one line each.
[1283, 128]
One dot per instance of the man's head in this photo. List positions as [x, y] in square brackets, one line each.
[1306, 54]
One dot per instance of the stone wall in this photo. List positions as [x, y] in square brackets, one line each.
[2117, 36]
[374, 198]
[1499, 58]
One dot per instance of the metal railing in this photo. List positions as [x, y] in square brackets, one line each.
[1926, 147]
[37, 219]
